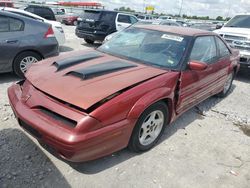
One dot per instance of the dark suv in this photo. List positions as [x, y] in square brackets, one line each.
[95, 25]
[42, 11]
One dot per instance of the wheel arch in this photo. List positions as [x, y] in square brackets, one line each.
[165, 95]
[28, 50]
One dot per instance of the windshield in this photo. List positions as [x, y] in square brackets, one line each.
[242, 21]
[147, 46]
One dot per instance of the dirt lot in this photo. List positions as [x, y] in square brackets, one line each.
[209, 146]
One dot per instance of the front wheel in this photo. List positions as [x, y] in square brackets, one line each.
[23, 61]
[227, 85]
[149, 127]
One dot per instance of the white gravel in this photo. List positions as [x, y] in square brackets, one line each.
[206, 147]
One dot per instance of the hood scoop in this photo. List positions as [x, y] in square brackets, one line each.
[65, 63]
[101, 69]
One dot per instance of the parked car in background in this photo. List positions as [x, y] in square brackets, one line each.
[24, 41]
[155, 22]
[70, 19]
[56, 26]
[166, 22]
[165, 18]
[147, 17]
[204, 26]
[43, 11]
[183, 23]
[87, 104]
[237, 34]
[95, 25]
[6, 3]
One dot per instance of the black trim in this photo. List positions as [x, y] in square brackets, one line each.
[101, 69]
[65, 63]
[64, 120]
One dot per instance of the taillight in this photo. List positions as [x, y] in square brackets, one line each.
[49, 33]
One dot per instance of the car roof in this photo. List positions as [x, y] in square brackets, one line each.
[38, 6]
[101, 10]
[186, 31]
[21, 11]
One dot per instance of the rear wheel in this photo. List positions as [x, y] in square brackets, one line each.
[227, 85]
[89, 41]
[23, 61]
[149, 127]
[75, 23]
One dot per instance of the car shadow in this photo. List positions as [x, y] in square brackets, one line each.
[65, 49]
[96, 166]
[8, 78]
[23, 164]
[95, 45]
[243, 75]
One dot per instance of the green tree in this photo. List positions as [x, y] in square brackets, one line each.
[219, 18]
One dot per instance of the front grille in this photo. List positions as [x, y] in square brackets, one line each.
[57, 117]
[29, 129]
[238, 42]
[233, 37]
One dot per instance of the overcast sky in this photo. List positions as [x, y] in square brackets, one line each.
[210, 8]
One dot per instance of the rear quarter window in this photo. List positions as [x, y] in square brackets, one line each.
[16, 25]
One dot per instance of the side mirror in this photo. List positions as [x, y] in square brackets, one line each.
[197, 66]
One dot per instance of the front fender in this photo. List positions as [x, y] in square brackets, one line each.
[149, 99]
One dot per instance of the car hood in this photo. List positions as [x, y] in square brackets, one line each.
[234, 31]
[83, 78]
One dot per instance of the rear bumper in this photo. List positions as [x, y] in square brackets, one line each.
[97, 36]
[69, 143]
[49, 48]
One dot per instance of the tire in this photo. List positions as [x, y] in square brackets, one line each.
[227, 86]
[23, 60]
[141, 138]
[89, 41]
[75, 23]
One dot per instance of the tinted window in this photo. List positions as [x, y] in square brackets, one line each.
[15, 25]
[133, 19]
[92, 15]
[204, 49]
[239, 21]
[223, 50]
[124, 18]
[108, 17]
[2, 4]
[4, 24]
[29, 9]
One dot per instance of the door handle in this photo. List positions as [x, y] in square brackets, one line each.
[119, 25]
[11, 41]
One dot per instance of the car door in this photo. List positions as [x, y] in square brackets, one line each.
[122, 21]
[11, 30]
[197, 85]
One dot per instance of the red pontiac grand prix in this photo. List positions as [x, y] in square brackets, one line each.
[88, 104]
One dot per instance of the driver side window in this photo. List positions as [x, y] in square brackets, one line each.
[204, 50]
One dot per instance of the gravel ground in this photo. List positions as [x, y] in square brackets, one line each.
[208, 146]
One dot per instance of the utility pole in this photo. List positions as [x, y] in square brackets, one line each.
[180, 8]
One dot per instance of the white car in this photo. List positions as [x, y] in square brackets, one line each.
[236, 33]
[57, 26]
